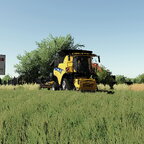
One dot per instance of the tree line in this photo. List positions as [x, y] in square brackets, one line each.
[104, 77]
[35, 65]
[120, 79]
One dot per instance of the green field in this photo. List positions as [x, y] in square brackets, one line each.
[71, 117]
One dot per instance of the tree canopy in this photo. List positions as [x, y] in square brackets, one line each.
[36, 63]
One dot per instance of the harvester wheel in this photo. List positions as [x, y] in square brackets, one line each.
[55, 86]
[66, 85]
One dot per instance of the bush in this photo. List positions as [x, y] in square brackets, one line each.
[104, 76]
[120, 79]
[140, 79]
[5, 79]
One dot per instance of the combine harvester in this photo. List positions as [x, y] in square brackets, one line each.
[73, 71]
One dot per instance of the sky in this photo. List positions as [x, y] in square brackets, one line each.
[113, 29]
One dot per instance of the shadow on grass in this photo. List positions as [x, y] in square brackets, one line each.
[106, 91]
[100, 90]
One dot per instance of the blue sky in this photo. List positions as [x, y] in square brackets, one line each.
[112, 29]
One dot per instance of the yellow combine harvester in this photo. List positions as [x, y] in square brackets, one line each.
[73, 70]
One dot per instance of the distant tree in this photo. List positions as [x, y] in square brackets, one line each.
[120, 79]
[36, 63]
[104, 76]
[29, 65]
[6, 78]
[140, 79]
[129, 81]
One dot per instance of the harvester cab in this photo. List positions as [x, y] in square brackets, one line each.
[73, 70]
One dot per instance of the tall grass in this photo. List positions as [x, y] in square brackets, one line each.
[71, 117]
[24, 86]
[135, 87]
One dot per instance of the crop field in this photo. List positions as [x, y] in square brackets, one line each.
[32, 116]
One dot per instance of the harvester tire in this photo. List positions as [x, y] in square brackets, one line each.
[55, 86]
[66, 85]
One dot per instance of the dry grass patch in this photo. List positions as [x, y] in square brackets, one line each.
[121, 87]
[25, 86]
[137, 87]
[134, 87]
